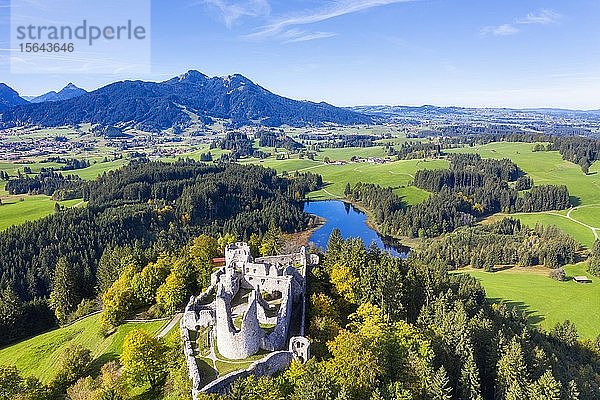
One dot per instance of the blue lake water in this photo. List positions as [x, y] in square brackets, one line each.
[352, 223]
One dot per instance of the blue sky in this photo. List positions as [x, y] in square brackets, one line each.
[513, 53]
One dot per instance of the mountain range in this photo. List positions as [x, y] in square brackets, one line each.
[430, 110]
[178, 102]
[9, 97]
[68, 92]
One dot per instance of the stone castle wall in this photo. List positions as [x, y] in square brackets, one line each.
[271, 364]
[283, 274]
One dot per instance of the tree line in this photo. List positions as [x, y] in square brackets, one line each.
[473, 187]
[272, 139]
[582, 151]
[47, 182]
[504, 243]
[336, 141]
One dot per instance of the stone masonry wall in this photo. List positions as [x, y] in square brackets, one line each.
[269, 365]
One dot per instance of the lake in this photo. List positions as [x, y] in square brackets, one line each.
[352, 223]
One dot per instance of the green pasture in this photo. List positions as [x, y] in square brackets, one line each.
[545, 300]
[38, 356]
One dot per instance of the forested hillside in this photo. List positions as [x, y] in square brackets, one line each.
[155, 106]
[386, 329]
[152, 204]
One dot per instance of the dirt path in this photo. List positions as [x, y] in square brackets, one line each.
[592, 228]
[170, 325]
[331, 194]
[402, 173]
[595, 230]
[311, 167]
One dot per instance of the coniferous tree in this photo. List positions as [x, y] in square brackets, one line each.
[65, 294]
[512, 380]
[272, 241]
[594, 260]
[440, 386]
[469, 383]
[545, 388]
[572, 391]
[347, 190]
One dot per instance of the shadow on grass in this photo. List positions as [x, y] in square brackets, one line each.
[499, 268]
[532, 316]
[100, 361]
[207, 372]
[575, 201]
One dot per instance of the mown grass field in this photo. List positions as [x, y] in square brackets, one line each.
[37, 356]
[397, 174]
[15, 212]
[546, 167]
[577, 231]
[549, 168]
[589, 214]
[95, 170]
[545, 300]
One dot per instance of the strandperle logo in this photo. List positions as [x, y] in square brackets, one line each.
[80, 36]
[86, 31]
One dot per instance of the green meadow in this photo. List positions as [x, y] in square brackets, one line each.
[577, 231]
[397, 174]
[546, 167]
[590, 214]
[545, 300]
[97, 169]
[37, 356]
[18, 209]
[15, 212]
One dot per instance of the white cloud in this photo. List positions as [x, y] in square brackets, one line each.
[335, 9]
[298, 35]
[500, 30]
[232, 11]
[543, 17]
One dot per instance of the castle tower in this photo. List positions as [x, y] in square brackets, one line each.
[232, 343]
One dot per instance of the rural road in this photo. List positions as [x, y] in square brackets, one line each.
[592, 228]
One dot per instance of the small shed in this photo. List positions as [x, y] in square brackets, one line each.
[582, 279]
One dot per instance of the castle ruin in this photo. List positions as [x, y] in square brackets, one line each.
[251, 305]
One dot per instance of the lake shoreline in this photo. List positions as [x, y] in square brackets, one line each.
[352, 221]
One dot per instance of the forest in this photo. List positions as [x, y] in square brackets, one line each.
[504, 243]
[153, 204]
[271, 139]
[381, 328]
[335, 141]
[472, 188]
[49, 183]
